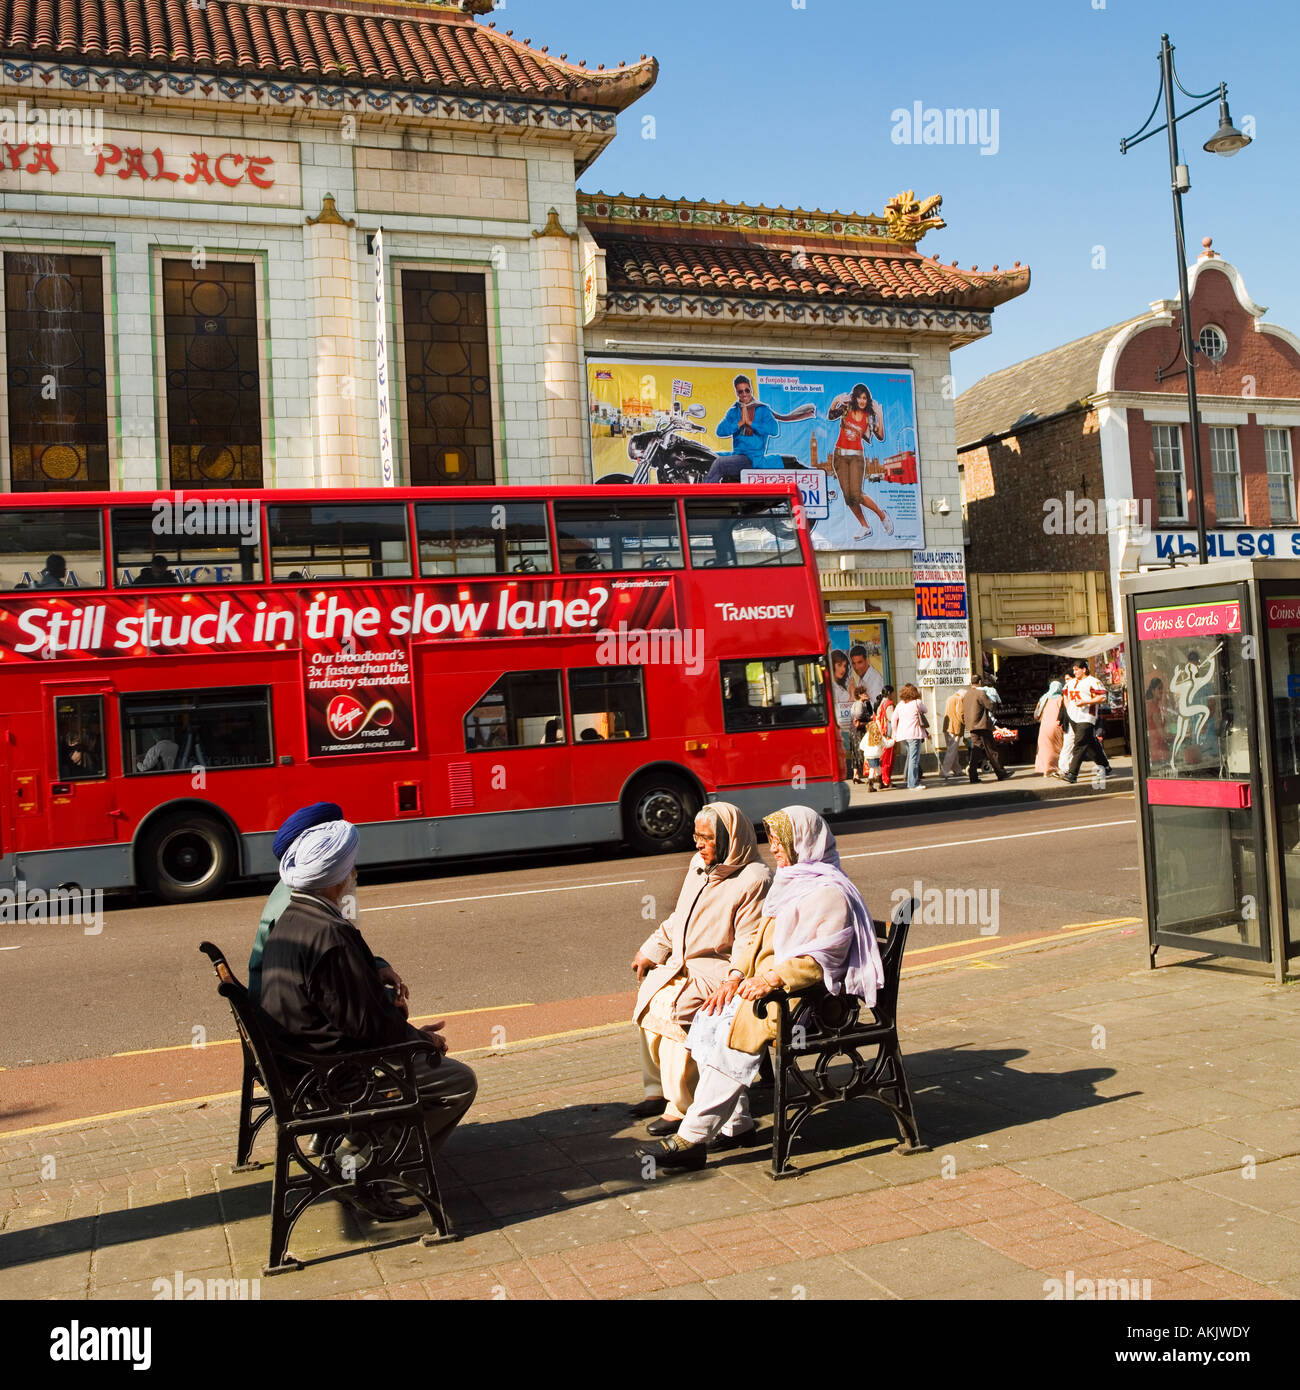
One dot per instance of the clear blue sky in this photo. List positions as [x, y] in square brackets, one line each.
[760, 102]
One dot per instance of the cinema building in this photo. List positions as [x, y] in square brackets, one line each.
[223, 223]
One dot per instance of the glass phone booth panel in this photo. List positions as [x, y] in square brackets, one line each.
[1195, 671]
[1280, 614]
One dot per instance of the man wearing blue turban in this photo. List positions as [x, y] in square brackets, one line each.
[303, 819]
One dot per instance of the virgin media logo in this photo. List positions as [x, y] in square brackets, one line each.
[347, 716]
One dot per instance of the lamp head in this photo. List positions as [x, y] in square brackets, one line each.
[1227, 140]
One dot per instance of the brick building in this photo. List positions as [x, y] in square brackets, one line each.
[1075, 463]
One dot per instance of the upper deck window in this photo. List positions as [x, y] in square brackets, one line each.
[743, 533]
[468, 538]
[618, 536]
[53, 548]
[198, 539]
[339, 540]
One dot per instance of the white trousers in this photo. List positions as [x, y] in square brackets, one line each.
[721, 1105]
[668, 1070]
[1067, 752]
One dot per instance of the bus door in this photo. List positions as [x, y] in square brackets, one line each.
[70, 785]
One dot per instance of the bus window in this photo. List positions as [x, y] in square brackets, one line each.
[51, 549]
[608, 703]
[482, 538]
[781, 694]
[522, 709]
[79, 736]
[743, 533]
[618, 536]
[209, 729]
[190, 540]
[344, 540]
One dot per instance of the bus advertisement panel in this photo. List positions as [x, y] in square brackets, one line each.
[853, 428]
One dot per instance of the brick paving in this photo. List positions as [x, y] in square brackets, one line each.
[1168, 1156]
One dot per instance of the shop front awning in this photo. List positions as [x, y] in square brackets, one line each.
[1092, 645]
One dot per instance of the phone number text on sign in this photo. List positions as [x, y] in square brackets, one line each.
[945, 649]
[943, 654]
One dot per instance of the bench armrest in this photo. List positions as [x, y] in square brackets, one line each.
[312, 1076]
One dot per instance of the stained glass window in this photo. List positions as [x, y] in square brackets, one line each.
[448, 381]
[214, 409]
[58, 400]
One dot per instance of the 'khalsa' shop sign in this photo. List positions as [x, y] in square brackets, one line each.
[1164, 546]
[156, 165]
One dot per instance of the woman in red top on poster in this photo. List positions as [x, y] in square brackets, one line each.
[862, 421]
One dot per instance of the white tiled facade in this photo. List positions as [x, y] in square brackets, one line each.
[446, 199]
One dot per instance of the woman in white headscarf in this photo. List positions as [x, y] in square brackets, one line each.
[816, 929]
[684, 961]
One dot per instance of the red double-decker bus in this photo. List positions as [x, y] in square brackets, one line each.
[465, 670]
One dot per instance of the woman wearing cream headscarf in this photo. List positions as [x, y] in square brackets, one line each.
[685, 960]
[816, 928]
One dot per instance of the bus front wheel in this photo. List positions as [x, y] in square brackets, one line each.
[186, 857]
[661, 813]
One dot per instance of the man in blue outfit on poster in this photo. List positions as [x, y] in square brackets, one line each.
[749, 424]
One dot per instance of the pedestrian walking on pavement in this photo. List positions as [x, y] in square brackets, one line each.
[1050, 732]
[873, 746]
[885, 714]
[977, 716]
[911, 724]
[842, 695]
[954, 731]
[1084, 694]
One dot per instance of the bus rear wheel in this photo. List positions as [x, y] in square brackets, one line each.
[186, 857]
[660, 814]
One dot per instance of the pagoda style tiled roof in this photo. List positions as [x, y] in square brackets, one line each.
[654, 245]
[1033, 390]
[429, 46]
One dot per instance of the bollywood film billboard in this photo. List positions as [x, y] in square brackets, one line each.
[846, 435]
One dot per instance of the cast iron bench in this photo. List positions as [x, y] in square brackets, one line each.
[828, 1031]
[370, 1097]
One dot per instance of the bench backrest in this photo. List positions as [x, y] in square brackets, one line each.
[255, 1028]
[891, 957]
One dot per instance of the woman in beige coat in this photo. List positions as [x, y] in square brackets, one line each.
[816, 928]
[684, 961]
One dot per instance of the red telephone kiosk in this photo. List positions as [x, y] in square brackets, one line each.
[1214, 707]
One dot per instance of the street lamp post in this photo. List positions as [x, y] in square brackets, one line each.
[1227, 140]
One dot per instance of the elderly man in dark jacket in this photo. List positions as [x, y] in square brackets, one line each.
[321, 985]
[977, 716]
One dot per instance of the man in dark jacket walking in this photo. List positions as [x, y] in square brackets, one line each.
[977, 716]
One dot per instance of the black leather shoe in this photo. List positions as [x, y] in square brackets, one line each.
[675, 1155]
[661, 1127]
[651, 1105]
[747, 1140]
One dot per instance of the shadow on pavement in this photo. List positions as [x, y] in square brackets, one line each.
[511, 1171]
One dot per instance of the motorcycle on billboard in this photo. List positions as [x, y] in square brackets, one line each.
[672, 458]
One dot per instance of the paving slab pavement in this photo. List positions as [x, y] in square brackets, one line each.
[1090, 1120]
